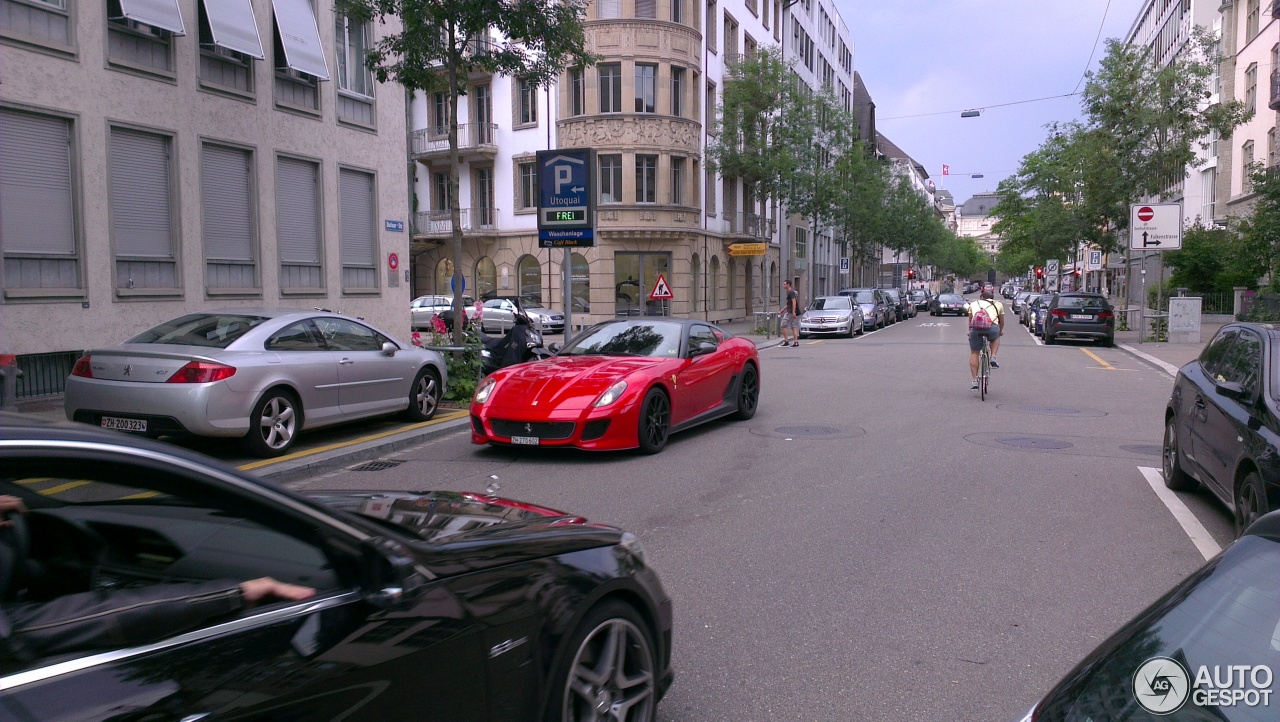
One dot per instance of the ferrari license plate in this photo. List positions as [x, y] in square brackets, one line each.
[525, 440]
[119, 424]
[1081, 317]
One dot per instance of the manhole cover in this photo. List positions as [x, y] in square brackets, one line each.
[807, 430]
[378, 465]
[1144, 449]
[1044, 410]
[1033, 442]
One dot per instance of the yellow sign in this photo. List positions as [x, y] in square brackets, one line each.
[748, 249]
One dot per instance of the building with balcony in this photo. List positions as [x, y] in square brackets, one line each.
[1251, 46]
[647, 108]
[169, 156]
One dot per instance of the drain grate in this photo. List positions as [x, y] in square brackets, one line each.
[1031, 442]
[378, 465]
[807, 430]
[1144, 449]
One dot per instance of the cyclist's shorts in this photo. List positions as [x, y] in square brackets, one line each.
[976, 334]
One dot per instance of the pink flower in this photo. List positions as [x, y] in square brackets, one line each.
[415, 338]
[438, 324]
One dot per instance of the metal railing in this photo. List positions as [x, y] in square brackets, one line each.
[44, 374]
[471, 136]
[753, 225]
[438, 223]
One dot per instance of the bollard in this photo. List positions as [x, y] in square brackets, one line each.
[8, 382]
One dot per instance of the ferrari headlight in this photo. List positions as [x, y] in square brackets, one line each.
[485, 391]
[611, 394]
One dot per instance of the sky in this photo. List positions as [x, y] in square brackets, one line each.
[929, 56]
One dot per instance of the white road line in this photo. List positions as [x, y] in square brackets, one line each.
[1190, 524]
[1170, 368]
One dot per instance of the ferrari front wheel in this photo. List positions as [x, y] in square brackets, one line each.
[748, 393]
[655, 422]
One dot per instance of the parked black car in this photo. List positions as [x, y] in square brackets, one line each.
[902, 308]
[946, 304]
[921, 298]
[431, 605]
[1019, 298]
[1160, 665]
[1080, 315]
[877, 312]
[1221, 424]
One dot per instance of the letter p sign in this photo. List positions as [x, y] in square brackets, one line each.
[564, 176]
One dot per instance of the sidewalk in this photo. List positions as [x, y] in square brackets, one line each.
[1168, 356]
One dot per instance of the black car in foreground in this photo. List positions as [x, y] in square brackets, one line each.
[430, 606]
[1221, 424]
[1206, 651]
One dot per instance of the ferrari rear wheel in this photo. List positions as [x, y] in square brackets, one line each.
[748, 393]
[655, 422]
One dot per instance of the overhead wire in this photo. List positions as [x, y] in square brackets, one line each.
[984, 107]
[1096, 38]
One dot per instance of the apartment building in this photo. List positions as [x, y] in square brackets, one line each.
[1251, 69]
[162, 157]
[648, 109]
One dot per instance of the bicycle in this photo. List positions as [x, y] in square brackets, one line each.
[984, 368]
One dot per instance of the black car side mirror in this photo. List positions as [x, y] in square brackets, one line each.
[392, 577]
[1233, 390]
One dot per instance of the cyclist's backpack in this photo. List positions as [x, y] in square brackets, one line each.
[980, 319]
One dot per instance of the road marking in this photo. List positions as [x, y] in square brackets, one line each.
[141, 495]
[373, 437]
[1190, 524]
[1095, 357]
[63, 487]
[35, 480]
[1169, 368]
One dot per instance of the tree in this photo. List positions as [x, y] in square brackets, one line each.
[1260, 231]
[442, 42]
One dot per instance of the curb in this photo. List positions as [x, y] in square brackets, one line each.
[324, 462]
[1162, 365]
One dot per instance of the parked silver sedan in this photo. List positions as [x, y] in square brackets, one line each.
[831, 314]
[263, 375]
[500, 314]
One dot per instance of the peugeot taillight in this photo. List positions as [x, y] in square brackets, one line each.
[202, 372]
[82, 368]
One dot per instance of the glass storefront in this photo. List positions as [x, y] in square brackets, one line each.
[581, 277]
[635, 275]
[486, 278]
[529, 278]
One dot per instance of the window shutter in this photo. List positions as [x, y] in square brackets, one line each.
[140, 216]
[646, 8]
[355, 191]
[36, 211]
[610, 9]
[228, 205]
[298, 211]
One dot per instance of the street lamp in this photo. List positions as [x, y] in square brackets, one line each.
[970, 113]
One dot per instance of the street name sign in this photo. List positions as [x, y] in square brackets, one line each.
[1155, 226]
[748, 249]
[566, 198]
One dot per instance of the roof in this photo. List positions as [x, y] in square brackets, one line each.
[864, 109]
[944, 196]
[979, 206]
[888, 149]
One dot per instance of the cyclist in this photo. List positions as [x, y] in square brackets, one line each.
[990, 324]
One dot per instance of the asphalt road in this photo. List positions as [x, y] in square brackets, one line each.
[878, 543]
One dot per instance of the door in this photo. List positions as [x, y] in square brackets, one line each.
[704, 380]
[484, 114]
[302, 356]
[1226, 421]
[369, 381]
[1191, 398]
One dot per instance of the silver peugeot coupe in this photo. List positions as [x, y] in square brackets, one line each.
[263, 375]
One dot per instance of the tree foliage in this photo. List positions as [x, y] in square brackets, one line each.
[442, 42]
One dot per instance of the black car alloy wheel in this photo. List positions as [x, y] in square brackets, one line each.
[1174, 477]
[1251, 501]
[612, 675]
[748, 393]
[655, 422]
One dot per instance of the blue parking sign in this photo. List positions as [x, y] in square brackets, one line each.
[566, 189]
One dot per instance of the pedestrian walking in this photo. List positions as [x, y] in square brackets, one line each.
[790, 315]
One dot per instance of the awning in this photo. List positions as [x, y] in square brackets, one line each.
[163, 14]
[232, 25]
[300, 37]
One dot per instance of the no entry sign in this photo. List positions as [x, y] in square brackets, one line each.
[1146, 213]
[1155, 226]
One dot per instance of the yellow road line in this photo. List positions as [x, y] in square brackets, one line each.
[1094, 356]
[64, 487]
[143, 495]
[35, 480]
[374, 437]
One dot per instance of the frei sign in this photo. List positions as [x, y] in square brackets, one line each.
[1155, 226]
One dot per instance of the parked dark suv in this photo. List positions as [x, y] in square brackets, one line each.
[901, 307]
[1080, 315]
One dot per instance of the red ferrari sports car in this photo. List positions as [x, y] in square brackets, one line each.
[621, 384]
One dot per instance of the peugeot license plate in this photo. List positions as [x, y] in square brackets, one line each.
[525, 440]
[119, 424]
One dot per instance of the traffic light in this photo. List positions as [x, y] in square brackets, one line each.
[1039, 272]
[911, 274]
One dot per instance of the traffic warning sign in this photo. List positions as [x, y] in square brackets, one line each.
[661, 291]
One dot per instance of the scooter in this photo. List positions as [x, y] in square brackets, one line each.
[520, 344]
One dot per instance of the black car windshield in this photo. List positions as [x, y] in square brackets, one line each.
[864, 296]
[1086, 302]
[917, 294]
[831, 303]
[210, 330]
[1227, 614]
[951, 298]
[628, 338]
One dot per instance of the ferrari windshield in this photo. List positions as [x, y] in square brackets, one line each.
[628, 338]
